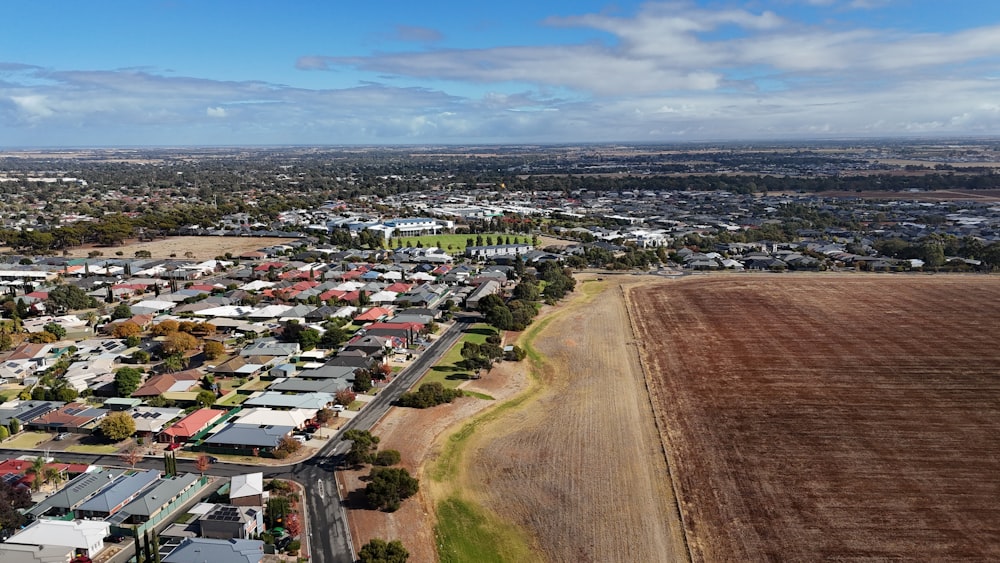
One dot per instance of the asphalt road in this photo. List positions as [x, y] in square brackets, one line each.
[329, 534]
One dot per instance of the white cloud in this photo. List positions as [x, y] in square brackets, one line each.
[215, 112]
[33, 106]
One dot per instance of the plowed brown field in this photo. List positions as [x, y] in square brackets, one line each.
[813, 418]
[581, 466]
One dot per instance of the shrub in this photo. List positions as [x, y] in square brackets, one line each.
[386, 458]
[428, 395]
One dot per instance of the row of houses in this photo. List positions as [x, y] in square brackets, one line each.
[98, 503]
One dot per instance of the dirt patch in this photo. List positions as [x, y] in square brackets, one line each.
[200, 248]
[580, 465]
[415, 433]
[818, 418]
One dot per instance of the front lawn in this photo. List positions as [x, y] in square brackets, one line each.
[27, 440]
[101, 449]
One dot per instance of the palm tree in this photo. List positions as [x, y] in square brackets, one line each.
[174, 362]
[38, 470]
[53, 475]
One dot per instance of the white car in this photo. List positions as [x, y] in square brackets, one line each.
[339, 408]
[300, 439]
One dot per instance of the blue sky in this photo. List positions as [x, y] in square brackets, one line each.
[200, 72]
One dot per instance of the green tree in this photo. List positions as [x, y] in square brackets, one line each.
[388, 487]
[69, 298]
[205, 398]
[55, 329]
[363, 446]
[14, 426]
[362, 381]
[117, 426]
[127, 380]
[174, 362]
[379, 551]
[121, 311]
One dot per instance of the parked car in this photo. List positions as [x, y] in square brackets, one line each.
[300, 438]
[114, 539]
[173, 446]
[62, 436]
[339, 408]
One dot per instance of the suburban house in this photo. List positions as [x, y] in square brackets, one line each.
[73, 417]
[119, 493]
[372, 345]
[488, 287]
[16, 470]
[247, 490]
[168, 383]
[277, 400]
[73, 494]
[155, 501]
[25, 411]
[83, 536]
[247, 439]
[264, 416]
[187, 427]
[16, 553]
[150, 421]
[226, 521]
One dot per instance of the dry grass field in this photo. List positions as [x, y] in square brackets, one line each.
[201, 248]
[580, 465]
[814, 418]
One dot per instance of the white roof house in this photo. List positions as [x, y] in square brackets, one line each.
[263, 415]
[86, 535]
[14, 553]
[248, 485]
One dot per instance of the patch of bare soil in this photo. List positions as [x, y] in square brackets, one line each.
[580, 466]
[415, 433]
[200, 248]
[830, 417]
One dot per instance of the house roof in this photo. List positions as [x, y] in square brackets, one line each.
[152, 419]
[263, 416]
[26, 411]
[194, 423]
[373, 314]
[154, 499]
[76, 491]
[78, 534]
[120, 491]
[300, 401]
[72, 415]
[299, 385]
[247, 485]
[14, 553]
[254, 435]
[202, 550]
[159, 384]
